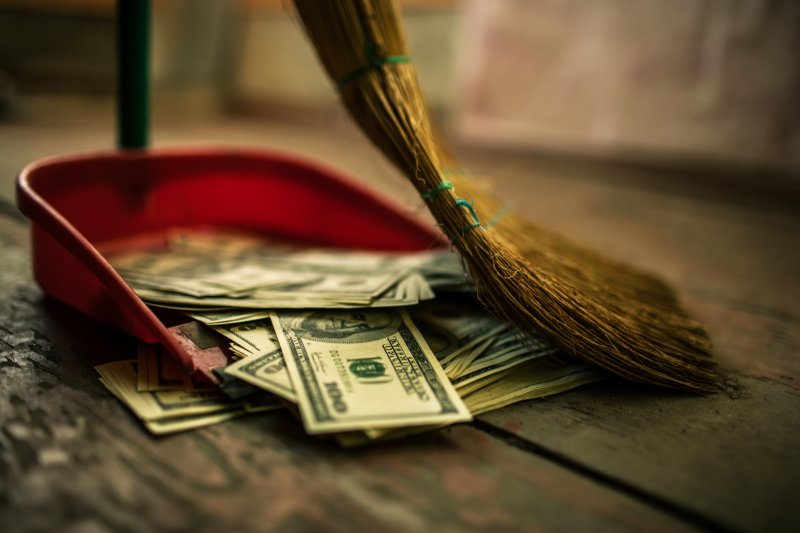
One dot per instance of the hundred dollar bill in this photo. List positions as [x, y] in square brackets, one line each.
[254, 338]
[364, 369]
[266, 371]
[263, 364]
[537, 378]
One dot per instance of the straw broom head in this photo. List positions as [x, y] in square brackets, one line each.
[592, 307]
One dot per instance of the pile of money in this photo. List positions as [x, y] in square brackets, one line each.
[362, 346]
[166, 399]
[198, 272]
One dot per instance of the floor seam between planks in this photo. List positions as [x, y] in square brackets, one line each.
[647, 498]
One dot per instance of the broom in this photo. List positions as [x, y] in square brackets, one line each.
[592, 307]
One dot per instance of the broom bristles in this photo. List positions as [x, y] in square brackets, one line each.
[592, 307]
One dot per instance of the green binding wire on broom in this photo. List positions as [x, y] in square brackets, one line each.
[431, 195]
[477, 222]
[373, 62]
[446, 185]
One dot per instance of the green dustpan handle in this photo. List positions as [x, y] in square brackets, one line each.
[133, 54]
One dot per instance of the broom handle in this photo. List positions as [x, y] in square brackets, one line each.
[133, 54]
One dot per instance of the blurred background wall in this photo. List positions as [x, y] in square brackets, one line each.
[666, 82]
[707, 80]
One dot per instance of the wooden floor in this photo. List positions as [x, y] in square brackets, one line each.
[609, 457]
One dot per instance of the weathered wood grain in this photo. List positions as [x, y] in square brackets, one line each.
[72, 458]
[733, 456]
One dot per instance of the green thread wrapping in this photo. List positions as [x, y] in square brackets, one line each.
[445, 185]
[372, 64]
[498, 216]
[477, 222]
[436, 191]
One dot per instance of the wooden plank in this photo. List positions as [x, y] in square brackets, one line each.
[72, 457]
[732, 456]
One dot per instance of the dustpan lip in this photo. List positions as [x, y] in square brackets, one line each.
[191, 151]
[28, 198]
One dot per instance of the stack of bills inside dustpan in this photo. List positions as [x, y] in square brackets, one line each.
[363, 346]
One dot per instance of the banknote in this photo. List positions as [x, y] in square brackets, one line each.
[265, 281]
[156, 372]
[501, 355]
[171, 411]
[445, 267]
[262, 364]
[352, 289]
[199, 271]
[184, 423]
[203, 274]
[467, 388]
[535, 379]
[121, 375]
[541, 377]
[364, 369]
[453, 326]
[355, 342]
[228, 316]
[266, 371]
[504, 343]
[255, 337]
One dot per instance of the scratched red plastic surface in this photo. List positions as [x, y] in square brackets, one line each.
[77, 203]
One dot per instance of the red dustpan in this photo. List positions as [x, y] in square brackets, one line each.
[78, 204]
